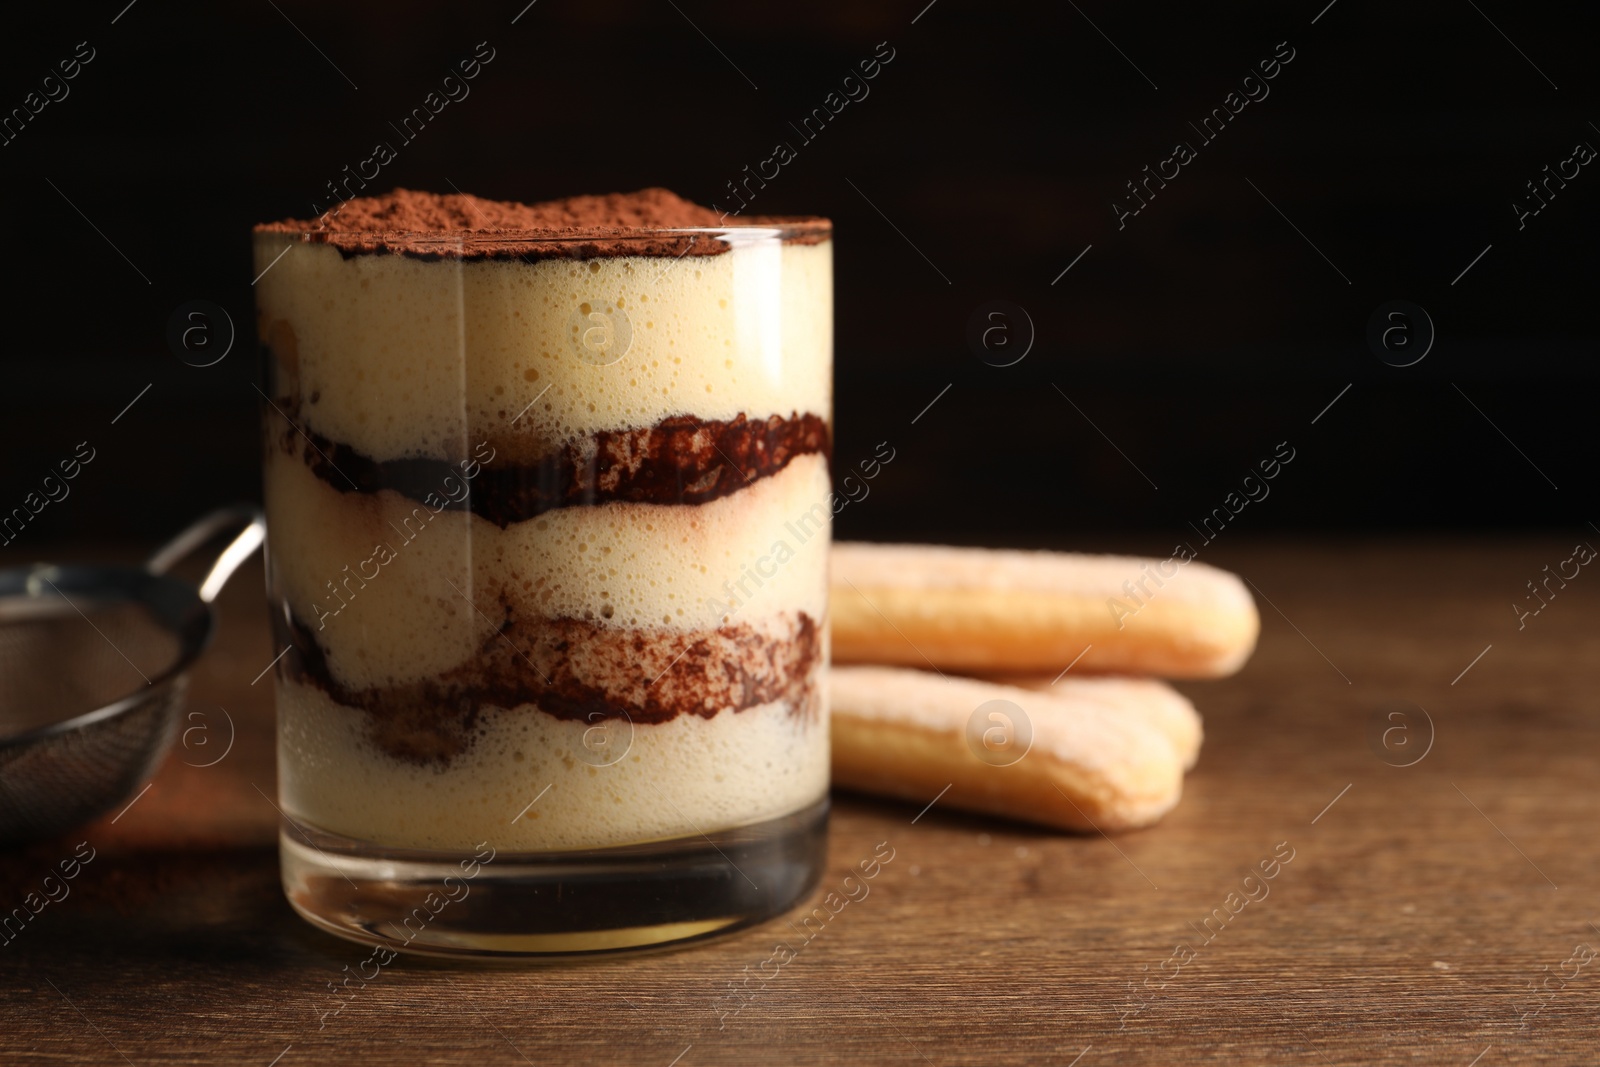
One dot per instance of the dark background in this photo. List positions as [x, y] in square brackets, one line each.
[991, 148]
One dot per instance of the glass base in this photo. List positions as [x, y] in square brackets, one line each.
[553, 904]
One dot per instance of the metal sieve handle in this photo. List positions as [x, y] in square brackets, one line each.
[238, 550]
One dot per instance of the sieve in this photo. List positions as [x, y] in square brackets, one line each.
[93, 671]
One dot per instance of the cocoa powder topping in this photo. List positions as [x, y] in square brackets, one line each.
[461, 226]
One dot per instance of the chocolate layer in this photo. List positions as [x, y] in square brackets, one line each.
[433, 226]
[680, 460]
[575, 670]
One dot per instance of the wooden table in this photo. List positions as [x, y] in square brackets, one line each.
[1421, 905]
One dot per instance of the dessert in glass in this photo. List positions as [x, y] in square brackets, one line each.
[548, 507]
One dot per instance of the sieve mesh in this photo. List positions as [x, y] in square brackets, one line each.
[55, 665]
[92, 663]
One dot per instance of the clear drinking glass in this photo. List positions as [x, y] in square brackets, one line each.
[548, 531]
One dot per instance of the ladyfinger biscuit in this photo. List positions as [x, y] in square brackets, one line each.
[986, 610]
[1072, 765]
[1150, 701]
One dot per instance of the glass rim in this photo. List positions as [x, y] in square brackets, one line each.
[782, 229]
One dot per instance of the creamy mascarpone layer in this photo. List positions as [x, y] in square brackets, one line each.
[398, 356]
[688, 776]
[400, 611]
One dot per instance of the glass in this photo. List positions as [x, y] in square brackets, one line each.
[548, 529]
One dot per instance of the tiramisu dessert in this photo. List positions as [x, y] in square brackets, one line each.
[548, 497]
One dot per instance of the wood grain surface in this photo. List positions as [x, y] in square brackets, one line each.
[1421, 908]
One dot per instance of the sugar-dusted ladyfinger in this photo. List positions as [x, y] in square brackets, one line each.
[1001, 749]
[989, 610]
[1146, 699]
